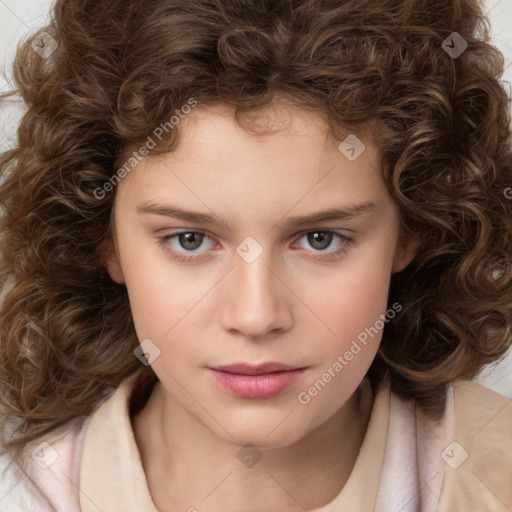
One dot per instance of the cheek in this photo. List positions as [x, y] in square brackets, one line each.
[161, 304]
[161, 295]
[350, 306]
[350, 300]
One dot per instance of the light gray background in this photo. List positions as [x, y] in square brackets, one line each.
[19, 17]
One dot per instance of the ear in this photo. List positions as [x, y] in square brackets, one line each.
[112, 262]
[407, 248]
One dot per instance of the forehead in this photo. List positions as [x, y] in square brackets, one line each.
[279, 155]
[281, 124]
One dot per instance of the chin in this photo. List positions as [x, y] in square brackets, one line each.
[264, 434]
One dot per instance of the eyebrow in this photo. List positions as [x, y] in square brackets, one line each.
[346, 212]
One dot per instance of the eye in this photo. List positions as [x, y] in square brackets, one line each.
[185, 245]
[322, 239]
[179, 244]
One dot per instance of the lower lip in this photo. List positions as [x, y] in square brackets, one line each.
[257, 386]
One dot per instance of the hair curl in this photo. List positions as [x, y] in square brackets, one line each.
[121, 68]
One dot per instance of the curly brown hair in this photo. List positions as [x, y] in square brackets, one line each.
[120, 69]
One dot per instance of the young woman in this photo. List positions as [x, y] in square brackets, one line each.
[252, 253]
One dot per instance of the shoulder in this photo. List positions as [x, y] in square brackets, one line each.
[478, 459]
[54, 462]
[52, 473]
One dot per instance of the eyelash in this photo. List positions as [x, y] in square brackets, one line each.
[346, 244]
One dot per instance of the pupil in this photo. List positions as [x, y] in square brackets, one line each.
[187, 240]
[323, 237]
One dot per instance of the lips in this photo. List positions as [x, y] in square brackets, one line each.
[261, 381]
[261, 369]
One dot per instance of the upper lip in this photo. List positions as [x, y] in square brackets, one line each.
[260, 369]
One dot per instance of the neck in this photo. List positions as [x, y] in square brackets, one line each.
[189, 468]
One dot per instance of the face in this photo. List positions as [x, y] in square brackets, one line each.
[255, 274]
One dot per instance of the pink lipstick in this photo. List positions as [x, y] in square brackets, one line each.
[262, 381]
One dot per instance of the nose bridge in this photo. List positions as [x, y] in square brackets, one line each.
[255, 280]
[257, 302]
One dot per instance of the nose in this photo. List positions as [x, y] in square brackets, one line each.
[258, 301]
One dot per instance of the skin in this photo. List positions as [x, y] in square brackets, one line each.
[294, 304]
